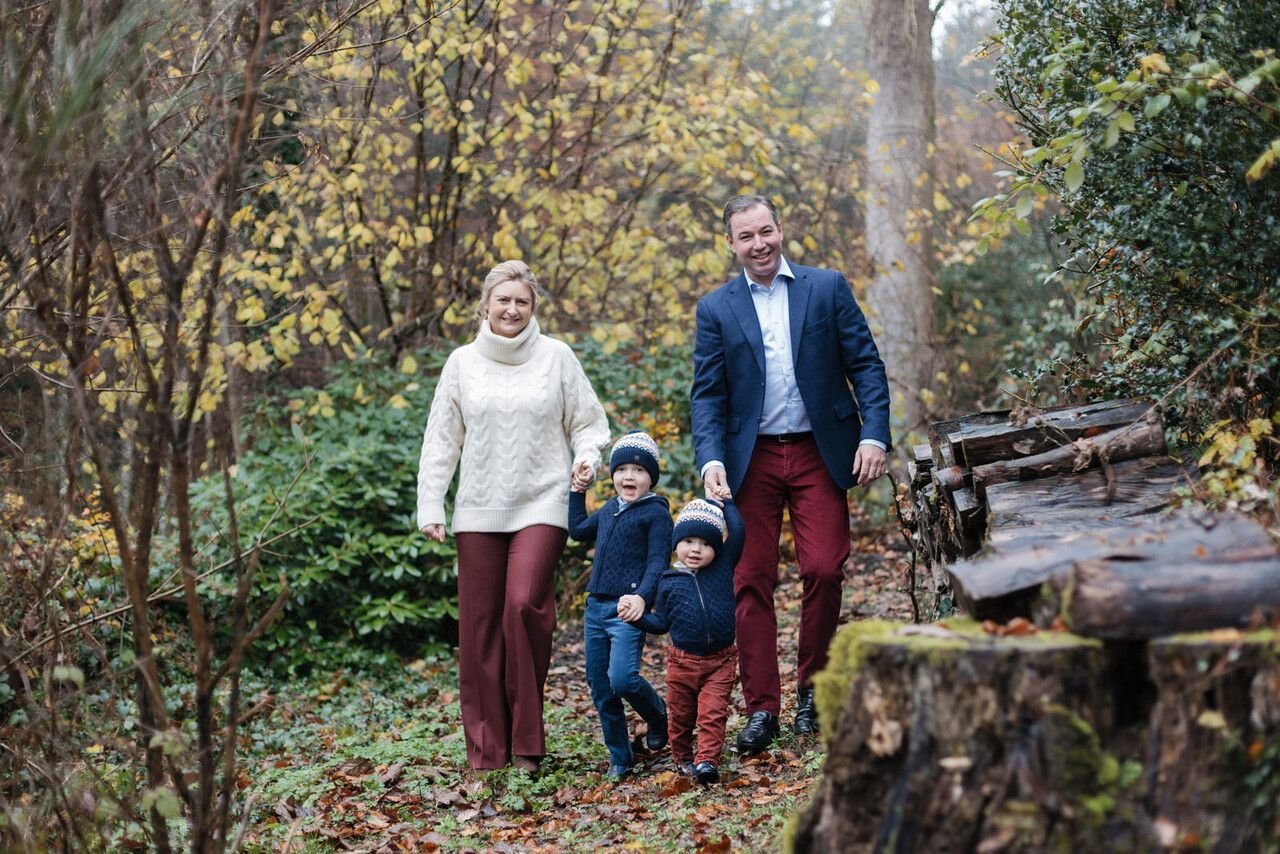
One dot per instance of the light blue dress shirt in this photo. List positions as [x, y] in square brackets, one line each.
[783, 410]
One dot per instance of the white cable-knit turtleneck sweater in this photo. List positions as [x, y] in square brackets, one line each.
[520, 414]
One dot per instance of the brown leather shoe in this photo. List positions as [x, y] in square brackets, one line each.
[532, 764]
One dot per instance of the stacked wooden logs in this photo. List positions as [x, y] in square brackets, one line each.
[961, 735]
[1037, 514]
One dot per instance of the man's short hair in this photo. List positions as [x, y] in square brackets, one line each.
[738, 204]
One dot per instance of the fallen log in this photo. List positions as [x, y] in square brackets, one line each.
[1127, 597]
[940, 430]
[977, 444]
[1080, 501]
[1143, 439]
[1034, 527]
[1005, 581]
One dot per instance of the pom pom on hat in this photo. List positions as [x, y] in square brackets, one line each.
[700, 519]
[636, 447]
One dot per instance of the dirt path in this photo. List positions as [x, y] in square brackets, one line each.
[384, 773]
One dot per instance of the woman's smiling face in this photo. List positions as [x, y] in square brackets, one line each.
[509, 308]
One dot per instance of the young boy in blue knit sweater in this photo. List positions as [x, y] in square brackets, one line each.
[696, 605]
[632, 533]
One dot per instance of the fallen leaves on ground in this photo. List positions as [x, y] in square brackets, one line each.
[420, 803]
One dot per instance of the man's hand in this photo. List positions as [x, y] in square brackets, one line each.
[868, 463]
[630, 607]
[435, 532]
[716, 484]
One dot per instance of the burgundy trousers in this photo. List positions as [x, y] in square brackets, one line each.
[788, 475]
[698, 688]
[506, 617]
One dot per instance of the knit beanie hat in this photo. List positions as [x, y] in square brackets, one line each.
[639, 448]
[702, 519]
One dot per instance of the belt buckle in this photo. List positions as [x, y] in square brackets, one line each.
[787, 439]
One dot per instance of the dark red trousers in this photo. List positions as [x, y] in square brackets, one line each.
[506, 617]
[698, 688]
[788, 475]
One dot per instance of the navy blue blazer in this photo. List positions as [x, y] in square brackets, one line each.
[838, 369]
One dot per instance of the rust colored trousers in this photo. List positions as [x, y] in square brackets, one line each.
[506, 617]
[698, 688]
[790, 476]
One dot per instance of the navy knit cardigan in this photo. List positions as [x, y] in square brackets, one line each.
[633, 543]
[697, 607]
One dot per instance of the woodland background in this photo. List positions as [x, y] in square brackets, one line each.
[237, 241]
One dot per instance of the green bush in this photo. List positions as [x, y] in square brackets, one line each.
[332, 472]
[1155, 126]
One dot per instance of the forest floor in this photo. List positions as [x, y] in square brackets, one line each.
[353, 762]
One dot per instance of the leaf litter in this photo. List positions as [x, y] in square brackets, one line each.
[398, 780]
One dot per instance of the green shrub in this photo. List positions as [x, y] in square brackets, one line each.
[1155, 126]
[332, 472]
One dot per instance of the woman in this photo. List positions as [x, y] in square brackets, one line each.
[515, 406]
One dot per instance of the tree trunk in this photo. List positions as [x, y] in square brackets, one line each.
[899, 198]
[945, 739]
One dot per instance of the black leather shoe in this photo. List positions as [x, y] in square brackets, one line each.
[758, 734]
[656, 738]
[806, 713]
[687, 769]
[706, 772]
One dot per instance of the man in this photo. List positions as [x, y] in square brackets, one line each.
[775, 423]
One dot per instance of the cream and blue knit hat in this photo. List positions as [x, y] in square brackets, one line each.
[701, 519]
[639, 448]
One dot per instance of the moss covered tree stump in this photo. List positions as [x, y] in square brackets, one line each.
[945, 739]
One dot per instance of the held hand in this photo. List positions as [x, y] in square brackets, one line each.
[716, 484]
[868, 464]
[584, 474]
[630, 607]
[435, 532]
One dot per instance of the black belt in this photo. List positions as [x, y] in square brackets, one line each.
[787, 438]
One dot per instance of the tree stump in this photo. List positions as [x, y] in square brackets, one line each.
[942, 738]
[1213, 769]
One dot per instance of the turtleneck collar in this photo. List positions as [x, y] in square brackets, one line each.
[508, 351]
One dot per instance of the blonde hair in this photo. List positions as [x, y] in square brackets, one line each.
[509, 271]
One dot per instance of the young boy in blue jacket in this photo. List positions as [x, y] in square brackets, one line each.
[632, 533]
[696, 605]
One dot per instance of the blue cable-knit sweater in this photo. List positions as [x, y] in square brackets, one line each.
[698, 607]
[633, 543]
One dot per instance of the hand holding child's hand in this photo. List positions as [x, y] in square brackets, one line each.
[584, 474]
[630, 607]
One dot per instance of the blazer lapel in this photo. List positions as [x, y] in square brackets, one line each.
[744, 309]
[797, 306]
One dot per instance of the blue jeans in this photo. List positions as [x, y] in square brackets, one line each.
[613, 648]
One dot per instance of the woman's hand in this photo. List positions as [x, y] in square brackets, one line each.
[630, 607]
[435, 532]
[584, 474]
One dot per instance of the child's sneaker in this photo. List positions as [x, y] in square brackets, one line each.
[618, 773]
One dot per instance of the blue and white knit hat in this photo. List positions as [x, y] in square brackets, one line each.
[701, 519]
[639, 448]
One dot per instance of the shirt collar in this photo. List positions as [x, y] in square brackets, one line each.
[784, 273]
